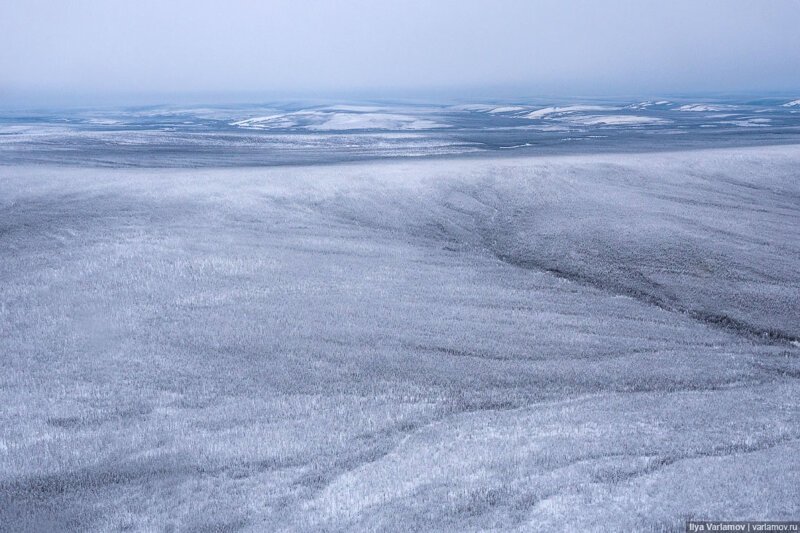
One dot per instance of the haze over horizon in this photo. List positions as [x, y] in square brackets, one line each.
[95, 51]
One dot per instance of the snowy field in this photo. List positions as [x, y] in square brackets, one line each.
[603, 342]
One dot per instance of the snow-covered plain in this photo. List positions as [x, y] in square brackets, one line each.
[597, 342]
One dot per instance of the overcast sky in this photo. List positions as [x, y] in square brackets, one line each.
[395, 47]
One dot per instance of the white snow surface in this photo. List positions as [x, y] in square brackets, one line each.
[749, 122]
[548, 111]
[326, 120]
[507, 109]
[700, 107]
[647, 104]
[584, 343]
[381, 121]
[614, 120]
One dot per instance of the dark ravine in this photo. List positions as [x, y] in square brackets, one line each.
[717, 320]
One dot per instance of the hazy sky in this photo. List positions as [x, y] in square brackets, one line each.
[396, 47]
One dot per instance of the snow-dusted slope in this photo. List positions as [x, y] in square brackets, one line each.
[595, 342]
[700, 107]
[327, 120]
[549, 111]
[614, 120]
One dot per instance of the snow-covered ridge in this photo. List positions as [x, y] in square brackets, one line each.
[750, 122]
[647, 104]
[614, 120]
[338, 121]
[547, 111]
[793, 103]
[577, 114]
[489, 108]
[507, 109]
[700, 107]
